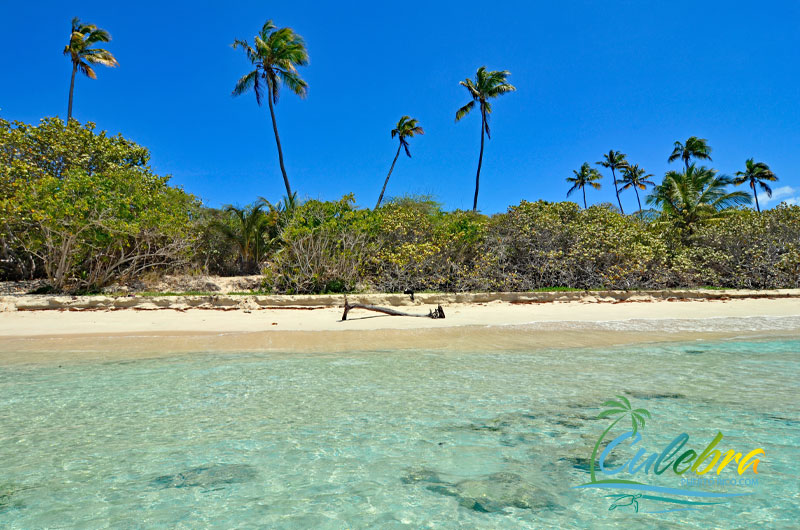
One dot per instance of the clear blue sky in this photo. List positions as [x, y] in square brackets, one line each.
[591, 76]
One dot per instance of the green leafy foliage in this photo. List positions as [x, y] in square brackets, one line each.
[83, 209]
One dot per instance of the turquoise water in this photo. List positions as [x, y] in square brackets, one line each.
[385, 439]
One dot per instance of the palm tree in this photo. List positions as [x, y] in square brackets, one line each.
[83, 55]
[623, 407]
[695, 195]
[755, 174]
[694, 148]
[246, 231]
[487, 85]
[615, 160]
[276, 55]
[636, 178]
[406, 128]
[586, 176]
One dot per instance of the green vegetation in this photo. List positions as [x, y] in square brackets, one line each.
[614, 160]
[83, 55]
[84, 211]
[487, 85]
[756, 175]
[586, 176]
[407, 127]
[275, 54]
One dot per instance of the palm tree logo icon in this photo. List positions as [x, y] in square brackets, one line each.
[621, 408]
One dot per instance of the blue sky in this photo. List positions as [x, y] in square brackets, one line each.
[632, 76]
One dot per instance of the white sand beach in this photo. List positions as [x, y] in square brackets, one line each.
[149, 327]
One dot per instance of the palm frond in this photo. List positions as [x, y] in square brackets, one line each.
[466, 109]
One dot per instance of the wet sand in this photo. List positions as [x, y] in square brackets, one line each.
[63, 335]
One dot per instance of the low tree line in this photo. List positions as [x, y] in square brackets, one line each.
[84, 210]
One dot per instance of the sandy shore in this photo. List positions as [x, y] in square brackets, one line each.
[29, 335]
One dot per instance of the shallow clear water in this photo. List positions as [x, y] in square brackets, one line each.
[386, 439]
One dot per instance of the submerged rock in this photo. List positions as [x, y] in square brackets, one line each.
[211, 475]
[489, 493]
[7, 500]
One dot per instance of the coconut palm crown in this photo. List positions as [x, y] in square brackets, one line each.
[615, 160]
[83, 54]
[406, 128]
[637, 178]
[694, 147]
[586, 176]
[275, 54]
[697, 194]
[756, 174]
[488, 84]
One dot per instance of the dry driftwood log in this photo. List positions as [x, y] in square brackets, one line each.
[433, 313]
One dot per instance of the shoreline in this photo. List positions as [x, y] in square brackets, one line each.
[524, 323]
[30, 302]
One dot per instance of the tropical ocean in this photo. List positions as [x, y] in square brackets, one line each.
[393, 438]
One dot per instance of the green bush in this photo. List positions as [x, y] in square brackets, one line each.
[92, 214]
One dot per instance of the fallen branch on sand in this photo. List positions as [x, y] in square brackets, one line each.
[433, 313]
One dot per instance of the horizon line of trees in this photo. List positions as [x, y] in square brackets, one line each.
[677, 186]
[83, 210]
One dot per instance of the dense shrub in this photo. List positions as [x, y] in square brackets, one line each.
[325, 248]
[543, 244]
[745, 249]
[82, 209]
[425, 248]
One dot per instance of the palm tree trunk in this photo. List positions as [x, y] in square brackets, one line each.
[755, 195]
[616, 189]
[480, 159]
[583, 188]
[71, 90]
[278, 141]
[638, 200]
[385, 182]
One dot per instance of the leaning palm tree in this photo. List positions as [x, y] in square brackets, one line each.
[622, 407]
[695, 195]
[756, 174]
[693, 148]
[406, 128]
[615, 160]
[83, 55]
[586, 176]
[488, 84]
[636, 178]
[276, 54]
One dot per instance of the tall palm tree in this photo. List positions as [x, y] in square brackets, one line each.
[756, 174]
[615, 160]
[83, 55]
[488, 84]
[622, 407]
[695, 195]
[406, 128]
[586, 176]
[276, 54]
[636, 178]
[693, 148]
